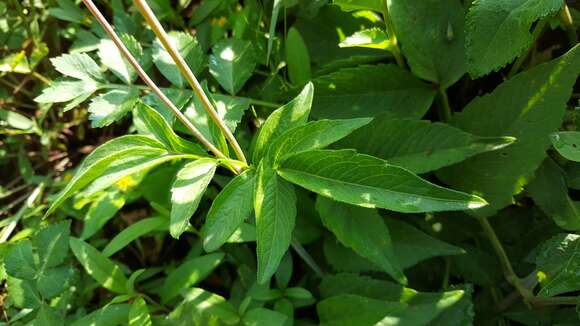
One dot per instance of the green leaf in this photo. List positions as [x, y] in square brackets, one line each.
[229, 209]
[11, 119]
[275, 207]
[67, 10]
[297, 58]
[190, 51]
[78, 65]
[412, 245]
[101, 210]
[111, 106]
[186, 192]
[52, 244]
[298, 293]
[529, 107]
[100, 159]
[64, 91]
[47, 316]
[232, 63]
[276, 5]
[115, 314]
[54, 281]
[112, 58]
[550, 193]
[312, 135]
[208, 306]
[364, 231]
[352, 5]
[349, 283]
[338, 175]
[153, 122]
[294, 113]
[498, 31]
[188, 274]
[23, 293]
[418, 145]
[133, 232]
[432, 37]
[98, 266]
[139, 314]
[567, 144]
[374, 38]
[558, 260]
[348, 309]
[367, 91]
[263, 317]
[19, 261]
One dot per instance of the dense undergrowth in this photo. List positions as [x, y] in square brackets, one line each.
[289, 162]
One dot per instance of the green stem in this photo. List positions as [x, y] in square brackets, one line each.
[392, 36]
[568, 23]
[157, 28]
[444, 107]
[446, 273]
[522, 58]
[148, 81]
[506, 265]
[306, 257]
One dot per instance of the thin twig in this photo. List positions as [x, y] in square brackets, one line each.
[392, 36]
[109, 30]
[306, 257]
[155, 25]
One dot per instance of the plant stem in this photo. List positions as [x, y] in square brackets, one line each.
[306, 257]
[444, 108]
[262, 103]
[568, 23]
[155, 25]
[520, 60]
[109, 30]
[506, 265]
[446, 273]
[392, 36]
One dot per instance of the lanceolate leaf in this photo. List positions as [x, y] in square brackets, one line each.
[364, 231]
[371, 182]
[417, 145]
[154, 123]
[350, 5]
[232, 63]
[558, 261]
[297, 58]
[293, 114]
[101, 158]
[312, 135]
[275, 206]
[99, 267]
[186, 192]
[188, 274]
[498, 31]
[348, 309]
[139, 314]
[567, 143]
[229, 209]
[367, 91]
[132, 232]
[431, 33]
[528, 107]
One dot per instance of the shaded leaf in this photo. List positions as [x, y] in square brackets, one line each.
[558, 260]
[528, 107]
[297, 58]
[567, 144]
[133, 232]
[367, 91]
[19, 260]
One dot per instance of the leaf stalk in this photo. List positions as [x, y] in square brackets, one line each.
[390, 28]
[141, 72]
[158, 29]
